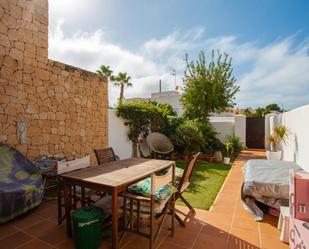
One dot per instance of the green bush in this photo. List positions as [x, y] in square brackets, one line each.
[188, 138]
[211, 143]
[208, 144]
[140, 116]
[233, 146]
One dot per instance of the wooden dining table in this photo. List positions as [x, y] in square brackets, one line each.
[112, 178]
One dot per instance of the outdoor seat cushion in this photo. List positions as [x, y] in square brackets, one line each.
[145, 205]
[21, 187]
[105, 203]
[143, 187]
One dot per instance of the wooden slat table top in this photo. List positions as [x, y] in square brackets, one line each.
[119, 173]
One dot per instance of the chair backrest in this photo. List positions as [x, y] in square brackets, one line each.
[159, 181]
[105, 155]
[159, 143]
[186, 177]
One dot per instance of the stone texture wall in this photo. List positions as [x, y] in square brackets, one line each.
[65, 107]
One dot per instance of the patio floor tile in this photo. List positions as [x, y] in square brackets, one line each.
[14, 240]
[169, 245]
[7, 230]
[35, 244]
[269, 241]
[26, 221]
[40, 229]
[248, 224]
[251, 237]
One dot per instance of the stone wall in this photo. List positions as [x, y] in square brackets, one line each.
[65, 107]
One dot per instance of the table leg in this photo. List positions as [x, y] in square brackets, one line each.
[115, 242]
[67, 201]
[59, 201]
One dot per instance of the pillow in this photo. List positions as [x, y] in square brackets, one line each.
[143, 188]
[178, 175]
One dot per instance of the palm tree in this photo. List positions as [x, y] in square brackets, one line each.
[122, 80]
[105, 71]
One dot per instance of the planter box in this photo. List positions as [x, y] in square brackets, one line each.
[64, 167]
[273, 155]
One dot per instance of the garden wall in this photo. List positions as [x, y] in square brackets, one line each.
[118, 136]
[297, 148]
[224, 126]
[64, 107]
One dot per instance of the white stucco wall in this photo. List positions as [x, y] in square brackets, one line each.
[240, 127]
[224, 126]
[269, 126]
[297, 148]
[118, 136]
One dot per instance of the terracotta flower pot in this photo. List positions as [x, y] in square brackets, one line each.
[210, 159]
[185, 158]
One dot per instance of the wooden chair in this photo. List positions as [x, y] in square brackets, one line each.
[184, 184]
[105, 155]
[140, 207]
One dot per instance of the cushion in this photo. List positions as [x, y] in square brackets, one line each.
[143, 187]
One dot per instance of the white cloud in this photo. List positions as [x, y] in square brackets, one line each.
[277, 72]
[280, 73]
[90, 50]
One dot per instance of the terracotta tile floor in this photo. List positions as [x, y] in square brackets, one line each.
[225, 226]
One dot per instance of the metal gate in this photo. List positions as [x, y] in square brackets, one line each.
[255, 132]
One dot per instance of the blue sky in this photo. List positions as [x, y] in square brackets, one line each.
[268, 40]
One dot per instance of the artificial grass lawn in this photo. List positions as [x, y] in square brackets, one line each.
[206, 181]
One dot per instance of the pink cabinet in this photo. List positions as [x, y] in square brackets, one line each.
[299, 210]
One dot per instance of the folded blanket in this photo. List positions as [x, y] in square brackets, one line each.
[266, 181]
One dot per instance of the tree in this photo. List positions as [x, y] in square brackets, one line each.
[248, 113]
[208, 88]
[122, 80]
[105, 71]
[261, 112]
[141, 116]
[272, 107]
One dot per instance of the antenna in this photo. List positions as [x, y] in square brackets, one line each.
[173, 72]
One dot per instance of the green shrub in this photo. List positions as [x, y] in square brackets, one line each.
[233, 146]
[140, 116]
[211, 143]
[188, 138]
[208, 144]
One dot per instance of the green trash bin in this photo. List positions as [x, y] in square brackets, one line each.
[87, 225]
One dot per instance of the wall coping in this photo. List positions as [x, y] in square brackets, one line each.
[70, 68]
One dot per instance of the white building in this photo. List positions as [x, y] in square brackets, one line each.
[169, 97]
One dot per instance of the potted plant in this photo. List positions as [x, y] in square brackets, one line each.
[186, 155]
[210, 154]
[279, 135]
[233, 147]
[229, 149]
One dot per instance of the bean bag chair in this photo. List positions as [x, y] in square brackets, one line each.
[21, 185]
